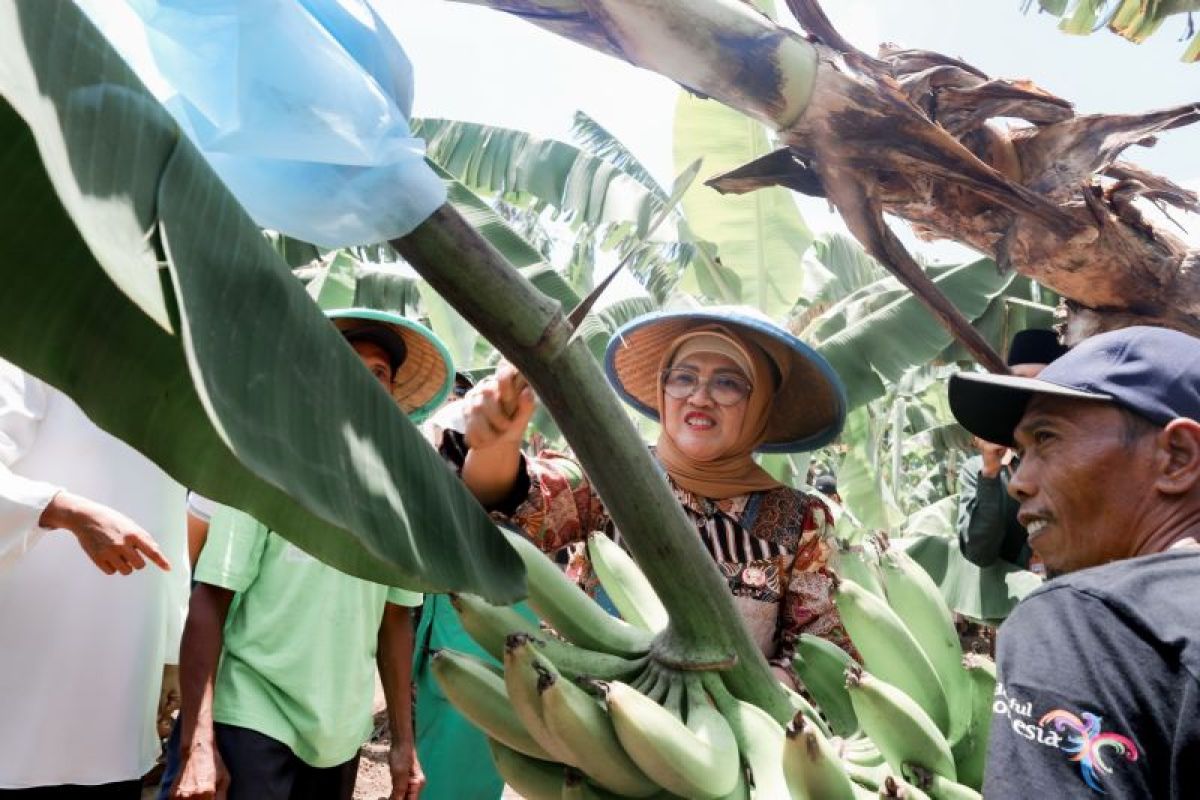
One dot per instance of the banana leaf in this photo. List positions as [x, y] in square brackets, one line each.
[986, 594]
[496, 160]
[881, 331]
[135, 283]
[760, 237]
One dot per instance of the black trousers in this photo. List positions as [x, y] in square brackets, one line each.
[262, 768]
[124, 790]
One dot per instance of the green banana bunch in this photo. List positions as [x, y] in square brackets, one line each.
[889, 650]
[821, 665]
[914, 726]
[574, 615]
[582, 725]
[918, 601]
[626, 585]
[698, 759]
[490, 627]
[900, 728]
[970, 750]
[811, 765]
[479, 693]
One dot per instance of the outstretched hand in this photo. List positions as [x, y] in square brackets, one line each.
[498, 410]
[113, 541]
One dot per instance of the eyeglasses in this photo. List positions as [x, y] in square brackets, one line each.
[725, 390]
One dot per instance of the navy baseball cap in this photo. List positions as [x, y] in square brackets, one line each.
[1153, 372]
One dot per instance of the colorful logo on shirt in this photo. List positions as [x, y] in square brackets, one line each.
[1087, 745]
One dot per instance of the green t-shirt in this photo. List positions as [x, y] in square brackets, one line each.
[298, 663]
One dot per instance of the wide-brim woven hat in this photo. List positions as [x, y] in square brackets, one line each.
[426, 376]
[809, 408]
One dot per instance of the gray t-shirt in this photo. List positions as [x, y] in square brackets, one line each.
[1098, 688]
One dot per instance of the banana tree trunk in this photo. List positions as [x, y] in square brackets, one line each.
[531, 331]
[911, 133]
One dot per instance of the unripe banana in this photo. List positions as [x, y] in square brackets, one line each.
[936, 786]
[860, 564]
[918, 601]
[759, 738]
[524, 666]
[697, 760]
[861, 751]
[801, 705]
[821, 665]
[491, 625]
[900, 727]
[583, 727]
[626, 584]
[970, 751]
[576, 787]
[478, 692]
[532, 779]
[864, 793]
[870, 777]
[889, 650]
[572, 788]
[574, 615]
[740, 791]
[895, 789]
[811, 765]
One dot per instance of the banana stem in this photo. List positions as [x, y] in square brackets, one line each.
[531, 331]
[723, 49]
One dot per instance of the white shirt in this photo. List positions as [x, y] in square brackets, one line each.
[81, 652]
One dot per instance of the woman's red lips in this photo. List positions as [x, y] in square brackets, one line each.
[696, 418]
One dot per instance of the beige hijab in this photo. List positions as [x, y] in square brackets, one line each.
[733, 472]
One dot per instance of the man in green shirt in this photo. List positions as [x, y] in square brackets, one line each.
[988, 530]
[279, 650]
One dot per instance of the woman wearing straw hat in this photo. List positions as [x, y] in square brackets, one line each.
[725, 383]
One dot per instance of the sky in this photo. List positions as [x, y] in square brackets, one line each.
[472, 63]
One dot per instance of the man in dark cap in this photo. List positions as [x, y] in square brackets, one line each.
[1099, 669]
[988, 530]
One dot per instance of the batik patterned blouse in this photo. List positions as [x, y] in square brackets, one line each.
[773, 547]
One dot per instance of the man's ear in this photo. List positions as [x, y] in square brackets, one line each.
[1179, 450]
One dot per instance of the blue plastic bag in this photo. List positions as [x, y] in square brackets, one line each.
[301, 107]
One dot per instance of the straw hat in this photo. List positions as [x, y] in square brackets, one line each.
[809, 407]
[425, 376]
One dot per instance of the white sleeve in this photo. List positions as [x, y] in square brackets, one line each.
[23, 401]
[200, 506]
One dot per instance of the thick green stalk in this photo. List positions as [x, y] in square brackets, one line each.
[531, 331]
